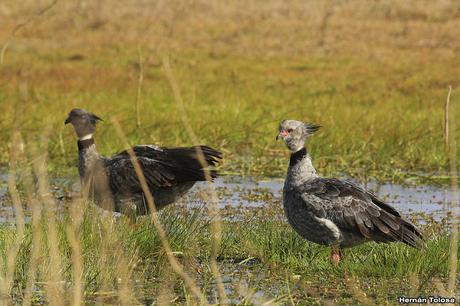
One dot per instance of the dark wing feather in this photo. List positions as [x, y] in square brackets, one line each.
[162, 167]
[354, 209]
[123, 177]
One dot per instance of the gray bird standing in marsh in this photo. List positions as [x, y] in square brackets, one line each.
[112, 183]
[332, 212]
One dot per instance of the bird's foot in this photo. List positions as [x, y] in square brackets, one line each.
[336, 255]
[132, 221]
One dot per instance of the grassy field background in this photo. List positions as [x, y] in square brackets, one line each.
[263, 262]
[374, 74]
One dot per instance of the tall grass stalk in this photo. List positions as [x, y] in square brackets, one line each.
[176, 266]
[452, 149]
[8, 269]
[214, 214]
[140, 80]
[54, 280]
[72, 230]
[446, 120]
[31, 268]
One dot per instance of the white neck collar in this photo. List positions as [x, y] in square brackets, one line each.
[86, 137]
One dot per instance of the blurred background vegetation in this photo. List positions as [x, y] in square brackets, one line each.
[374, 74]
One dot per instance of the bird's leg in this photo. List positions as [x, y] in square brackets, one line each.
[129, 210]
[336, 255]
[133, 221]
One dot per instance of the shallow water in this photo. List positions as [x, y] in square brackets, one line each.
[246, 193]
[422, 199]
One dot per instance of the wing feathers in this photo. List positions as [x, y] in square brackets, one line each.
[390, 221]
[382, 227]
[362, 227]
[162, 167]
[354, 209]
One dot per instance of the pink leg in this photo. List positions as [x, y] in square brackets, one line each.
[336, 255]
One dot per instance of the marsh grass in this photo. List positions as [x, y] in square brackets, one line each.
[104, 249]
[374, 75]
[277, 243]
[83, 254]
[385, 271]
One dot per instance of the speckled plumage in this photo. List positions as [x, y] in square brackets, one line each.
[112, 181]
[332, 212]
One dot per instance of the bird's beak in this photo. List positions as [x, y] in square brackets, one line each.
[67, 120]
[282, 134]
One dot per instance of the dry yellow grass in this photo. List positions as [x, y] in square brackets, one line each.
[375, 74]
[378, 70]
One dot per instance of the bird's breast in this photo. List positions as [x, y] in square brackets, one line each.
[308, 225]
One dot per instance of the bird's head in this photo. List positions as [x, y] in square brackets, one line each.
[83, 122]
[294, 133]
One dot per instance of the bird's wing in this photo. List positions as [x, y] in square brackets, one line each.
[354, 209]
[123, 177]
[187, 163]
[163, 167]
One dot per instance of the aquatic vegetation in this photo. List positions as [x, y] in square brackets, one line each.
[378, 91]
[260, 257]
[374, 75]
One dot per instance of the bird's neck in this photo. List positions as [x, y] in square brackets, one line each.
[300, 167]
[85, 144]
[87, 155]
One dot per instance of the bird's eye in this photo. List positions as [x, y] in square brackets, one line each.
[289, 130]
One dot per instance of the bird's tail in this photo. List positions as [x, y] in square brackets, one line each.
[194, 163]
[396, 228]
[409, 234]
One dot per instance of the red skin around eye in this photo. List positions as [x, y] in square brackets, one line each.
[284, 133]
